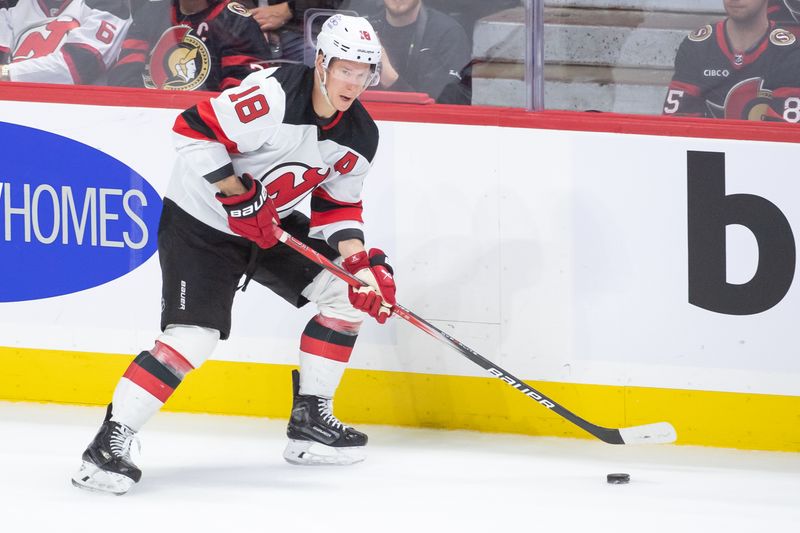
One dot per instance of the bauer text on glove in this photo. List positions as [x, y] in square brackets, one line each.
[252, 213]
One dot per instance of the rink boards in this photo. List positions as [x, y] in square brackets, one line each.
[634, 269]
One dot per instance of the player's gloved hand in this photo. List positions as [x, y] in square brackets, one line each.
[377, 298]
[252, 213]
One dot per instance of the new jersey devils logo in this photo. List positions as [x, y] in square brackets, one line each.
[288, 183]
[43, 40]
[179, 61]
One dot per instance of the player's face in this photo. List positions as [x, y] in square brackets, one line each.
[745, 10]
[400, 7]
[345, 81]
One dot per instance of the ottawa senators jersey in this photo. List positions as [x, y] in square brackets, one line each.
[62, 41]
[786, 14]
[213, 49]
[711, 80]
[267, 127]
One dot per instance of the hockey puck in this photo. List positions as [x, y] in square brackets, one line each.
[618, 479]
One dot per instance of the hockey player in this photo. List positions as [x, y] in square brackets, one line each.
[246, 158]
[190, 45]
[744, 67]
[61, 41]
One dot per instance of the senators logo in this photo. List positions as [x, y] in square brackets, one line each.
[747, 100]
[179, 61]
[701, 34]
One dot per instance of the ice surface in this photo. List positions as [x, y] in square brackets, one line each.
[226, 474]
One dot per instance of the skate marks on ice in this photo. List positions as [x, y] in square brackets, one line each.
[202, 473]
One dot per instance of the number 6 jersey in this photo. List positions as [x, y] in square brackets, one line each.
[66, 41]
[267, 127]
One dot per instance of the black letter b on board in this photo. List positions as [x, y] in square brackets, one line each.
[710, 211]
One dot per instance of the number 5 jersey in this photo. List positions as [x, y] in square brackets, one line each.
[67, 41]
[711, 80]
[267, 127]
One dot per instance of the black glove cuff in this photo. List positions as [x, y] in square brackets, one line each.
[380, 260]
[254, 199]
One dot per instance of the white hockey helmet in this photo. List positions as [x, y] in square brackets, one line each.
[352, 39]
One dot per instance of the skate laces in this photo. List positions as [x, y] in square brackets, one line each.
[325, 406]
[122, 437]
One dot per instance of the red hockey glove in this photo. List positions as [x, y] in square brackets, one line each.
[377, 298]
[252, 213]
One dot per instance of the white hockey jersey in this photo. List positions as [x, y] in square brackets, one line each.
[67, 41]
[267, 127]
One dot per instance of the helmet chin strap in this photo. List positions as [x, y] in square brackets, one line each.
[323, 88]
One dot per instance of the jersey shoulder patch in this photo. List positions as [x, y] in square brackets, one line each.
[239, 9]
[781, 37]
[701, 34]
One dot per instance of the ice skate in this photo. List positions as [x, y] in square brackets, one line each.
[316, 436]
[107, 465]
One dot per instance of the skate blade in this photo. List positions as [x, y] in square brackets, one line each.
[94, 479]
[304, 452]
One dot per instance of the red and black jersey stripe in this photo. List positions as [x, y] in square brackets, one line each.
[326, 210]
[191, 120]
[133, 51]
[200, 122]
[84, 62]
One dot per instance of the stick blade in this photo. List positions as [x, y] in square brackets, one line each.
[658, 433]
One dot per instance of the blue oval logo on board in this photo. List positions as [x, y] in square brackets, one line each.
[71, 216]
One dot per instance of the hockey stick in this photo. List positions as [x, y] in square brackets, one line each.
[660, 432]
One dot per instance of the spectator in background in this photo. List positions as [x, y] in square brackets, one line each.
[272, 16]
[282, 21]
[743, 67]
[57, 41]
[426, 50]
[190, 45]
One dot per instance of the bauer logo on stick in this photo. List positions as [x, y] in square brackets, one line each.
[519, 386]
